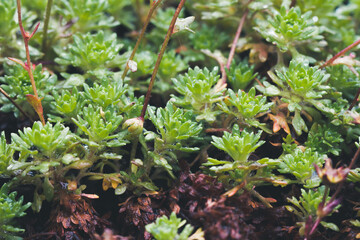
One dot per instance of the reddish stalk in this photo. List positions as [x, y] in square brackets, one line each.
[354, 101]
[236, 38]
[339, 54]
[160, 56]
[153, 7]
[337, 192]
[26, 36]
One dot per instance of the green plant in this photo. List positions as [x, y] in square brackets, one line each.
[240, 76]
[307, 205]
[245, 107]
[206, 152]
[288, 28]
[100, 126]
[300, 164]
[6, 153]
[87, 14]
[174, 127]
[325, 138]
[167, 228]
[44, 144]
[17, 83]
[91, 52]
[200, 92]
[8, 25]
[303, 89]
[239, 145]
[10, 208]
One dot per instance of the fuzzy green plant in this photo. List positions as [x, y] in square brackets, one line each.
[44, 144]
[240, 76]
[10, 209]
[303, 88]
[288, 28]
[171, 65]
[174, 127]
[17, 83]
[100, 126]
[167, 228]
[200, 92]
[325, 138]
[307, 205]
[8, 25]
[104, 96]
[90, 52]
[88, 15]
[300, 163]
[245, 107]
[41, 151]
[6, 153]
[239, 146]
[202, 38]
[68, 105]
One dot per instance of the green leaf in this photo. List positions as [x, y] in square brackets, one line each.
[299, 123]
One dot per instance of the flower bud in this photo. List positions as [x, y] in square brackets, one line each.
[134, 125]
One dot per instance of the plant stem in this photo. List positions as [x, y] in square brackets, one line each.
[160, 56]
[354, 101]
[146, 23]
[337, 192]
[15, 104]
[339, 54]
[46, 26]
[26, 36]
[236, 38]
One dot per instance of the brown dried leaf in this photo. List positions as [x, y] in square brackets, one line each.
[279, 122]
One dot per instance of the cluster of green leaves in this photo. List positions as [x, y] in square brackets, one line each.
[245, 107]
[88, 14]
[95, 128]
[240, 75]
[303, 88]
[288, 28]
[90, 52]
[10, 208]
[300, 164]
[307, 205]
[174, 127]
[167, 228]
[16, 82]
[200, 91]
[8, 25]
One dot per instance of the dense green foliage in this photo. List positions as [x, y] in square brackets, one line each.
[262, 117]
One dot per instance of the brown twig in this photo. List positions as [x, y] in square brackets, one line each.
[160, 56]
[146, 23]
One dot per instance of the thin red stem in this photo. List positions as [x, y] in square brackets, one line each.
[339, 54]
[27, 38]
[354, 100]
[236, 38]
[337, 192]
[142, 33]
[160, 56]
